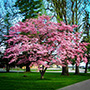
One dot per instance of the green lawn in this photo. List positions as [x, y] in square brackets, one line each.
[89, 69]
[52, 81]
[53, 70]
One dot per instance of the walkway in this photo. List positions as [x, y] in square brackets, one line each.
[84, 85]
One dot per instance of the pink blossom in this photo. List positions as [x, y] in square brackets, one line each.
[43, 42]
[74, 26]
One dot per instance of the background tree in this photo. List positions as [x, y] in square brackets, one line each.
[71, 12]
[29, 8]
[8, 17]
[87, 35]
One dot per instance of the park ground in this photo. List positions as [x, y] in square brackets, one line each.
[32, 81]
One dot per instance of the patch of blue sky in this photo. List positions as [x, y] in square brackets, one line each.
[48, 12]
[8, 8]
[88, 8]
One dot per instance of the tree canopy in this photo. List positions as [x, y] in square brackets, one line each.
[42, 42]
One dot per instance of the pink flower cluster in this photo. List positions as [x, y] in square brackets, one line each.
[42, 42]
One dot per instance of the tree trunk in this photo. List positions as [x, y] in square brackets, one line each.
[7, 67]
[65, 70]
[42, 74]
[72, 67]
[86, 67]
[77, 69]
[27, 68]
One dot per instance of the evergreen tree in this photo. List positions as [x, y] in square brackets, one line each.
[29, 8]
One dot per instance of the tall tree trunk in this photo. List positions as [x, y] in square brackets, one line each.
[72, 67]
[86, 67]
[27, 67]
[77, 69]
[7, 67]
[65, 70]
[87, 58]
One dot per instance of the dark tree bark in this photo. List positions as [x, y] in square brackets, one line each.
[72, 67]
[27, 67]
[77, 70]
[65, 70]
[42, 72]
[7, 67]
[86, 67]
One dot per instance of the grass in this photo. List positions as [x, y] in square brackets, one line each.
[53, 70]
[32, 81]
[89, 69]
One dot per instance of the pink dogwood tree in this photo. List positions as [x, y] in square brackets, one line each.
[42, 42]
[73, 49]
[80, 51]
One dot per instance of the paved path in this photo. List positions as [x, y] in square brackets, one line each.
[84, 85]
[3, 70]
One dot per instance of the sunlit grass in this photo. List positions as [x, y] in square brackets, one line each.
[32, 81]
[89, 69]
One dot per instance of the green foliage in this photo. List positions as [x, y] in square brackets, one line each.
[29, 8]
[38, 32]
